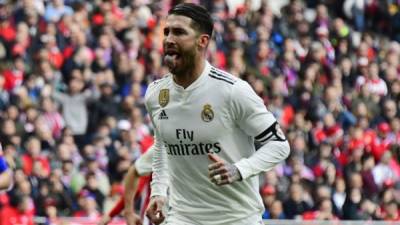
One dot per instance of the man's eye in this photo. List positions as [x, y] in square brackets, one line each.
[166, 32]
[179, 32]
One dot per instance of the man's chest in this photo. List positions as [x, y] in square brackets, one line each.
[190, 117]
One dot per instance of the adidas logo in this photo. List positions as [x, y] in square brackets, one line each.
[163, 115]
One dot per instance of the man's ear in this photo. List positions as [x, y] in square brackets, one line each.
[203, 40]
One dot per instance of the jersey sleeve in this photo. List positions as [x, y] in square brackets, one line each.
[249, 111]
[159, 183]
[144, 163]
[252, 116]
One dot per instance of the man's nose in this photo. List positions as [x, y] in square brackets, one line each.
[169, 39]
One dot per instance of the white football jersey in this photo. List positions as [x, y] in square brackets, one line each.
[218, 113]
[143, 163]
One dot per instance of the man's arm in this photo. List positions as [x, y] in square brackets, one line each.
[159, 184]
[250, 113]
[142, 167]
[266, 158]
[117, 209]
[272, 152]
[130, 185]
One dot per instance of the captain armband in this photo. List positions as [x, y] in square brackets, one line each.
[272, 133]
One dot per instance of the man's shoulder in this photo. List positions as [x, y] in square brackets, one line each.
[222, 78]
[159, 84]
[227, 82]
[156, 86]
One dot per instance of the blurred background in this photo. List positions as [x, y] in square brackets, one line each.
[74, 73]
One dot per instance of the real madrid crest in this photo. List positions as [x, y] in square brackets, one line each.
[163, 97]
[207, 115]
[279, 132]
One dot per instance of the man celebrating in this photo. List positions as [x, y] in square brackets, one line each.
[206, 121]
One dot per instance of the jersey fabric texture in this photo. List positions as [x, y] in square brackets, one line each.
[144, 162]
[219, 114]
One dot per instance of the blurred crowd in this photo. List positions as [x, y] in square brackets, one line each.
[74, 73]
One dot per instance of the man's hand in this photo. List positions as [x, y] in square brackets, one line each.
[221, 172]
[132, 218]
[154, 210]
[105, 220]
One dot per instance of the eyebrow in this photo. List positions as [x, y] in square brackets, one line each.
[175, 29]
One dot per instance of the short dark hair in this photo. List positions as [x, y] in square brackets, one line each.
[202, 20]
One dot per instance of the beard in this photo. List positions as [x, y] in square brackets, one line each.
[181, 63]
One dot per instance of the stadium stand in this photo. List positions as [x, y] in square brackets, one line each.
[72, 119]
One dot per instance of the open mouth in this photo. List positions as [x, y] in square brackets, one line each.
[171, 56]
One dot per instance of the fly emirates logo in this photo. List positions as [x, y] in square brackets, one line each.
[185, 145]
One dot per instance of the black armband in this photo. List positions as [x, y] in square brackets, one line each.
[272, 133]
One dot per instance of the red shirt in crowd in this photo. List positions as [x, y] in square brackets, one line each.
[11, 216]
[13, 78]
[28, 161]
[7, 31]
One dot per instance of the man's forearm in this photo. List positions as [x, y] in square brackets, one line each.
[117, 209]
[130, 185]
[264, 159]
[159, 184]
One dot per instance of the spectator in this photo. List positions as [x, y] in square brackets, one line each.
[391, 211]
[52, 118]
[275, 211]
[383, 172]
[339, 195]
[73, 76]
[107, 105]
[352, 205]
[370, 210]
[34, 154]
[51, 212]
[369, 186]
[325, 211]
[93, 189]
[55, 10]
[61, 193]
[74, 108]
[88, 208]
[295, 205]
[268, 194]
[17, 214]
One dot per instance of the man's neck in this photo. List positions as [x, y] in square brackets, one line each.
[190, 76]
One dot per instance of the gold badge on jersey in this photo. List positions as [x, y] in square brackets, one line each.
[163, 97]
[207, 115]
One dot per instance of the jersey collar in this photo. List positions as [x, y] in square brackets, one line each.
[198, 82]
